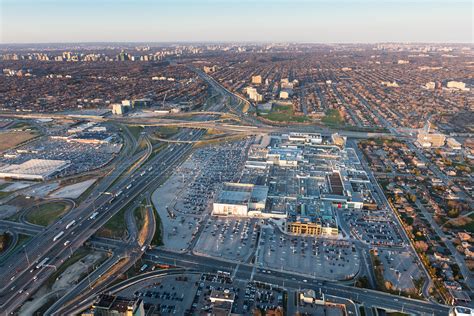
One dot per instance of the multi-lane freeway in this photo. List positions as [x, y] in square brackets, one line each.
[20, 277]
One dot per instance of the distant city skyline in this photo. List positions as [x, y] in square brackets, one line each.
[318, 21]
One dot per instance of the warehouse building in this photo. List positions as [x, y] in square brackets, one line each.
[33, 169]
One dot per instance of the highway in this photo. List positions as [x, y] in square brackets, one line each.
[16, 279]
[20, 278]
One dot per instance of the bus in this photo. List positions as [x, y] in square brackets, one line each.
[42, 263]
[71, 223]
[58, 236]
[143, 268]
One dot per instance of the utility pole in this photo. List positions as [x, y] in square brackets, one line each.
[26, 255]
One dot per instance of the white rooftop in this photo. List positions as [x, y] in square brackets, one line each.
[34, 167]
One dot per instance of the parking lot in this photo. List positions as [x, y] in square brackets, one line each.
[178, 229]
[207, 169]
[170, 295]
[326, 258]
[374, 227]
[83, 157]
[248, 295]
[228, 238]
[400, 268]
[189, 294]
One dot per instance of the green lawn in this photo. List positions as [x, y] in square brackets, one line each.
[284, 113]
[47, 213]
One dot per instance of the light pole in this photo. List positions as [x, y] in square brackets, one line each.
[26, 255]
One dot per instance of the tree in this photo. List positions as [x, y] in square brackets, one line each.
[421, 246]
[453, 213]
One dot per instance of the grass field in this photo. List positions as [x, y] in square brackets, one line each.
[166, 131]
[157, 237]
[116, 227]
[2, 193]
[12, 138]
[5, 240]
[22, 239]
[139, 215]
[135, 130]
[333, 118]
[285, 113]
[47, 213]
[469, 227]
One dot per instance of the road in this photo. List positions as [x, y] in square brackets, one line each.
[291, 280]
[457, 256]
[17, 281]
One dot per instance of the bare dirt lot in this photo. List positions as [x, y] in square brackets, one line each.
[12, 139]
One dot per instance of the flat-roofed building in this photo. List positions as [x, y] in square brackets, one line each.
[118, 109]
[431, 140]
[461, 311]
[453, 144]
[285, 157]
[312, 219]
[257, 79]
[111, 305]
[240, 199]
[33, 169]
[310, 296]
[222, 302]
[304, 138]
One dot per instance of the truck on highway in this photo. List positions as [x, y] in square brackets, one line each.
[71, 223]
[42, 263]
[58, 235]
[94, 215]
[67, 242]
[128, 186]
[118, 193]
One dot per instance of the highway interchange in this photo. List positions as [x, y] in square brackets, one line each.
[19, 277]
[17, 280]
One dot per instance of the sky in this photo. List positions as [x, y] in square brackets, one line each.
[308, 21]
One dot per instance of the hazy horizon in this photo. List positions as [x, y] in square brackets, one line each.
[218, 21]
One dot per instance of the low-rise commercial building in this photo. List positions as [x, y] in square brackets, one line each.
[33, 169]
[240, 199]
[111, 305]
